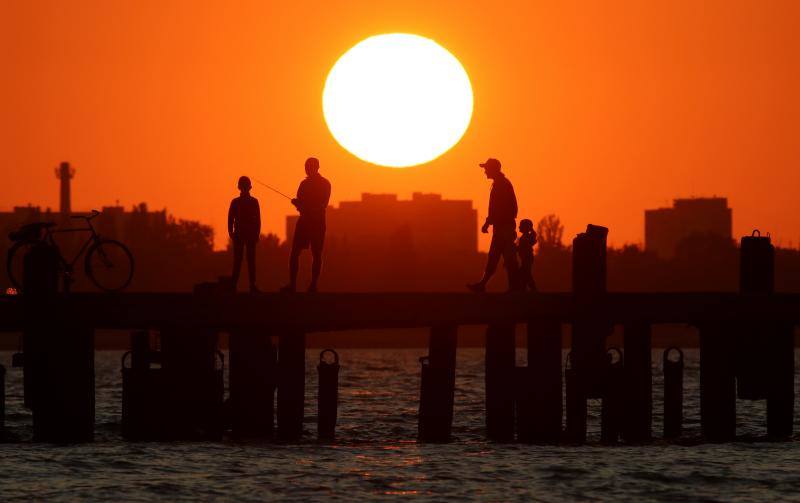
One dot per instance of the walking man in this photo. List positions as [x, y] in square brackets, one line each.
[502, 218]
[244, 228]
[312, 200]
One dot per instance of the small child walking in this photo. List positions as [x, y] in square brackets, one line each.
[525, 245]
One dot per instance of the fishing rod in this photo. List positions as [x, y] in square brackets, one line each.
[273, 189]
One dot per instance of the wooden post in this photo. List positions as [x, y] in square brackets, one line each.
[575, 430]
[780, 395]
[717, 384]
[59, 356]
[327, 394]
[673, 394]
[291, 384]
[193, 399]
[500, 368]
[540, 417]
[437, 386]
[252, 384]
[638, 383]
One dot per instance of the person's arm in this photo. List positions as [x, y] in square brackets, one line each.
[490, 214]
[327, 195]
[258, 220]
[513, 198]
[298, 201]
[231, 217]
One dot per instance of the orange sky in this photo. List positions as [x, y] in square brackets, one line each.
[597, 110]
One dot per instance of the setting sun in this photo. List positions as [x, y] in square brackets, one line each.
[397, 100]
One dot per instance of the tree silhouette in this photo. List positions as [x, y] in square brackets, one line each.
[550, 232]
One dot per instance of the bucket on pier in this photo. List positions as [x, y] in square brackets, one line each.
[673, 392]
[328, 397]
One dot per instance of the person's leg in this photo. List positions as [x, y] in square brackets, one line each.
[510, 258]
[316, 265]
[251, 264]
[524, 273]
[491, 265]
[238, 250]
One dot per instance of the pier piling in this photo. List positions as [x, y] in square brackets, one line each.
[437, 385]
[638, 383]
[291, 384]
[500, 370]
[541, 405]
[327, 394]
[194, 384]
[717, 384]
[780, 397]
[59, 356]
[252, 384]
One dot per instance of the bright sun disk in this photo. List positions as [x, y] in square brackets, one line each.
[397, 100]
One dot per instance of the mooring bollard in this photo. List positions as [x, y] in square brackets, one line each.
[673, 393]
[612, 412]
[253, 362]
[500, 365]
[437, 385]
[328, 394]
[291, 384]
[59, 357]
[539, 417]
[638, 383]
[717, 383]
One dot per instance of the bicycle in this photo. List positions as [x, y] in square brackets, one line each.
[107, 263]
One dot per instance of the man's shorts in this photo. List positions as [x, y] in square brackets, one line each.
[309, 233]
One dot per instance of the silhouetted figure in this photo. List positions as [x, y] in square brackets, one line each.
[244, 228]
[527, 240]
[502, 218]
[312, 199]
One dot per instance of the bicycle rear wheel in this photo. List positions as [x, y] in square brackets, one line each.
[109, 264]
[14, 262]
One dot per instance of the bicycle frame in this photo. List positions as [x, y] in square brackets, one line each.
[92, 239]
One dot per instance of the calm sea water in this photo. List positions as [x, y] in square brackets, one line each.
[376, 454]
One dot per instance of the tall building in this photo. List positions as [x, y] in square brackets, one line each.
[665, 228]
[382, 243]
[426, 222]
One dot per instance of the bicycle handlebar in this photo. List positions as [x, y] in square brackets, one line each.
[94, 214]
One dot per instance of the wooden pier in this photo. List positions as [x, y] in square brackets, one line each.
[188, 324]
[746, 350]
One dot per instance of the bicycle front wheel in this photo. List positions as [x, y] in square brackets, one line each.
[109, 264]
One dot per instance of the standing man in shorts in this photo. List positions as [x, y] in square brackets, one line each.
[312, 200]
